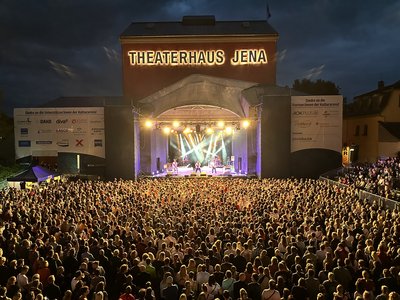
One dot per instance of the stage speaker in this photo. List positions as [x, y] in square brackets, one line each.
[186, 175]
[203, 174]
[209, 175]
[193, 174]
[197, 128]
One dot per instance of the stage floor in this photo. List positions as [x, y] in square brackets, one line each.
[205, 171]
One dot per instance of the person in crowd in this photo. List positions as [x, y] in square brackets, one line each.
[125, 233]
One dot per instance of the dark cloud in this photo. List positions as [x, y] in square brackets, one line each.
[53, 48]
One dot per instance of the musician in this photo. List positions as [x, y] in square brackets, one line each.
[175, 166]
[213, 166]
[197, 166]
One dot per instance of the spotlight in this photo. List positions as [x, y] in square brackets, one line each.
[245, 124]
[209, 130]
[187, 130]
[166, 130]
[228, 130]
[148, 123]
[175, 124]
[221, 124]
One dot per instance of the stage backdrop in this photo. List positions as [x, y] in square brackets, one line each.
[48, 131]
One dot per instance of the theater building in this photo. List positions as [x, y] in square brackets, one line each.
[196, 90]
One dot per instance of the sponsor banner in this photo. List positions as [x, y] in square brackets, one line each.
[316, 122]
[67, 129]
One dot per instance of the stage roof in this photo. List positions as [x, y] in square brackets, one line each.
[212, 96]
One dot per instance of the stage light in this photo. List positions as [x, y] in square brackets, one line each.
[245, 124]
[148, 123]
[221, 124]
[228, 130]
[209, 130]
[176, 124]
[166, 130]
[187, 130]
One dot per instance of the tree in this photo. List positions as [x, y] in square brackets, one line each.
[319, 87]
[7, 151]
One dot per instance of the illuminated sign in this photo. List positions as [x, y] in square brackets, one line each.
[196, 57]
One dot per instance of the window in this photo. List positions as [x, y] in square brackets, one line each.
[365, 133]
[357, 133]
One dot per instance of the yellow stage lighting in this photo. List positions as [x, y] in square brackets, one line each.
[221, 124]
[245, 124]
[176, 124]
[187, 130]
[166, 130]
[148, 123]
[209, 130]
[228, 130]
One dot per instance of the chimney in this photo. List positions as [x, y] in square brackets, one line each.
[381, 84]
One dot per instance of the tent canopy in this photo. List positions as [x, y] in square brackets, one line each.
[34, 174]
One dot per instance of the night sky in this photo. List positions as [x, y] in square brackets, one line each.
[53, 48]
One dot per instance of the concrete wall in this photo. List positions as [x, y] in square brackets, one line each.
[275, 136]
[119, 142]
[239, 150]
[159, 150]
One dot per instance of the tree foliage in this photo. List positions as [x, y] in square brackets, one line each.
[318, 87]
[7, 152]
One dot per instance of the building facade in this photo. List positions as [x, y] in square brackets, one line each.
[181, 81]
[372, 122]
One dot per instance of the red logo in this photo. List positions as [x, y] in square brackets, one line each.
[79, 143]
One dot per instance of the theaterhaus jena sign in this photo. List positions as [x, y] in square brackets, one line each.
[196, 57]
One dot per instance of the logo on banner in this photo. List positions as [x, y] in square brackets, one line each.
[98, 143]
[79, 143]
[24, 131]
[62, 121]
[63, 143]
[79, 121]
[64, 130]
[48, 121]
[44, 142]
[44, 131]
[25, 121]
[24, 143]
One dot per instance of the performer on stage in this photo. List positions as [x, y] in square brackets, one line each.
[213, 166]
[175, 166]
[197, 166]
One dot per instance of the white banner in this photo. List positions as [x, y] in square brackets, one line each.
[316, 122]
[47, 131]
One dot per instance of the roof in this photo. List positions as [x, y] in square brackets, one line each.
[392, 127]
[371, 103]
[90, 101]
[198, 89]
[199, 25]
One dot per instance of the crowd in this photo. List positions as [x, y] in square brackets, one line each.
[196, 238]
[380, 178]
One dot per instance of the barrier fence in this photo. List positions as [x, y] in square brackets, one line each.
[371, 198]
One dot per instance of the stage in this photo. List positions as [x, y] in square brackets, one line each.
[206, 171]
